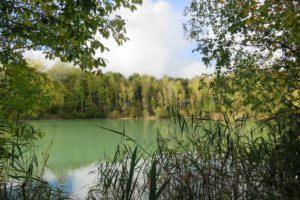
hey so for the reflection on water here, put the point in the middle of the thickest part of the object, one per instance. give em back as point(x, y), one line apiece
point(76, 181)
point(77, 145)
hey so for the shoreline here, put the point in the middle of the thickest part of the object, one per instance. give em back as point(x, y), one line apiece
point(59, 117)
point(212, 115)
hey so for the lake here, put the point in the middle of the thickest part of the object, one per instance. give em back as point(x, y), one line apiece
point(76, 146)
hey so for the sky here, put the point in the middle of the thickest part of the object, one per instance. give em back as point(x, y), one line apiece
point(157, 45)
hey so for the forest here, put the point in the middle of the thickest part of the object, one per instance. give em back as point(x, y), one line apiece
point(209, 153)
point(71, 93)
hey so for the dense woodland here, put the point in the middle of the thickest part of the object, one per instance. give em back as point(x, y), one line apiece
point(254, 47)
point(72, 93)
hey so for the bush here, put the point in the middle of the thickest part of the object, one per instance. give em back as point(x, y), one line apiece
point(134, 112)
point(114, 114)
point(161, 112)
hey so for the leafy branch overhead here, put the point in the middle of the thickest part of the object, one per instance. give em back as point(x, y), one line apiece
point(222, 28)
point(256, 42)
point(61, 29)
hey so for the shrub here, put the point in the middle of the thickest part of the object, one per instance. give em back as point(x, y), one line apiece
point(114, 114)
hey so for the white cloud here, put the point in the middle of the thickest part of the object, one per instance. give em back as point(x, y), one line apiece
point(195, 69)
point(38, 55)
point(49, 175)
point(82, 180)
point(156, 45)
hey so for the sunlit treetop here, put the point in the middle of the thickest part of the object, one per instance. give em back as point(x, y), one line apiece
point(71, 30)
point(265, 28)
point(257, 42)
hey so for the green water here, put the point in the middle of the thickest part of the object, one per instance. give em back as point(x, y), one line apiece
point(78, 145)
point(75, 143)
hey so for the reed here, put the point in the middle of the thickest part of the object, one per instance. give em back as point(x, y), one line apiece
point(206, 159)
point(20, 170)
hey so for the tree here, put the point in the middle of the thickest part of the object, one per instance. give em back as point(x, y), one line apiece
point(194, 91)
point(69, 30)
point(23, 90)
point(146, 85)
point(255, 46)
point(257, 42)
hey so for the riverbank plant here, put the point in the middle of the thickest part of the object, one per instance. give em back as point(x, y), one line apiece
point(206, 159)
point(21, 172)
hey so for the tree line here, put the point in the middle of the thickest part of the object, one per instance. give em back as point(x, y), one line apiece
point(71, 93)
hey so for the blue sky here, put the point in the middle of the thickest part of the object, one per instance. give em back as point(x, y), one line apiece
point(157, 45)
point(178, 4)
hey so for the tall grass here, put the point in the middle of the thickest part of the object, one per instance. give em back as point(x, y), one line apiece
point(20, 170)
point(206, 159)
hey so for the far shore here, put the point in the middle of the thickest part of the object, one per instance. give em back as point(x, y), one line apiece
point(61, 117)
point(212, 115)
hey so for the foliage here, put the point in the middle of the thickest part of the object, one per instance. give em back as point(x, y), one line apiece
point(257, 43)
point(125, 177)
point(19, 166)
point(71, 31)
point(255, 48)
point(82, 94)
point(205, 160)
point(114, 114)
point(23, 90)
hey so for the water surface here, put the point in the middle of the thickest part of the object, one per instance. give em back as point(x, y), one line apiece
point(76, 146)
